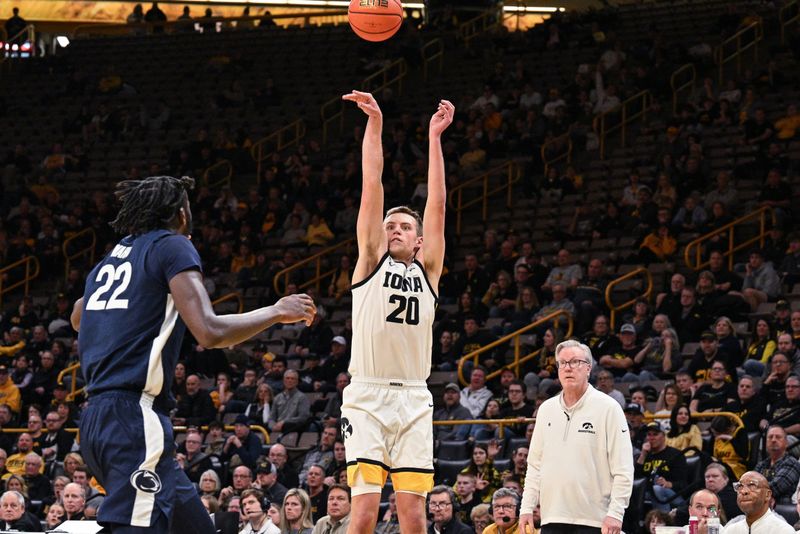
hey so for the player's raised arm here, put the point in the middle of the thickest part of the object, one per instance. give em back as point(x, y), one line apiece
point(212, 330)
point(369, 227)
point(433, 218)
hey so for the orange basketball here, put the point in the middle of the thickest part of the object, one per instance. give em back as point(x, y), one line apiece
point(375, 20)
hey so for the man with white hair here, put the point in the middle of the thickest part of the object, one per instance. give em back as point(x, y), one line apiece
point(74, 499)
point(13, 515)
point(594, 453)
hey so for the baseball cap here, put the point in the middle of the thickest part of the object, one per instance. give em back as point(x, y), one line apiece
point(265, 467)
point(654, 426)
point(708, 334)
point(340, 340)
point(452, 386)
point(241, 419)
point(634, 407)
point(782, 305)
point(627, 328)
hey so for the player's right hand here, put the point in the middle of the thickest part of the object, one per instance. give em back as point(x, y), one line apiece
point(295, 308)
point(366, 103)
point(526, 524)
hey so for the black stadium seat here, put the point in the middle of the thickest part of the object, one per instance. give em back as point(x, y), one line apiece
point(453, 450)
point(447, 470)
point(788, 511)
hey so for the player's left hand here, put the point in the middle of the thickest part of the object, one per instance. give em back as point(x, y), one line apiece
point(442, 118)
point(295, 308)
point(611, 526)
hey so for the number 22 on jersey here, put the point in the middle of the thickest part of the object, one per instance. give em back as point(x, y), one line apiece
point(107, 276)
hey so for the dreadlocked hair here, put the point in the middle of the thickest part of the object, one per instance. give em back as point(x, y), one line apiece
point(150, 204)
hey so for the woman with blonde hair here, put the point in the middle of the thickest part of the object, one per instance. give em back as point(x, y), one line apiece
point(258, 411)
point(759, 351)
point(480, 517)
point(71, 461)
point(296, 513)
point(726, 337)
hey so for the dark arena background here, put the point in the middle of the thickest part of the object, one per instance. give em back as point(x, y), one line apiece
point(622, 173)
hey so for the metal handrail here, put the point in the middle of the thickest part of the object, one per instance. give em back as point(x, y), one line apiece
point(233, 295)
point(432, 51)
point(516, 337)
point(694, 249)
point(700, 415)
point(561, 140)
point(225, 180)
point(476, 26)
point(785, 18)
point(262, 149)
point(456, 195)
point(171, 25)
point(82, 252)
point(757, 30)
point(615, 308)
point(689, 67)
point(602, 130)
point(501, 423)
point(283, 274)
point(72, 371)
point(31, 272)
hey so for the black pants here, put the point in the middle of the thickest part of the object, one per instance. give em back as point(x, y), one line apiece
point(563, 528)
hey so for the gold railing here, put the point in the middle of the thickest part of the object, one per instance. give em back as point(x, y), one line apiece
point(218, 174)
point(31, 271)
point(789, 14)
point(72, 371)
point(743, 40)
point(180, 26)
point(616, 308)
point(519, 359)
point(693, 253)
point(264, 148)
point(676, 89)
point(511, 173)
point(700, 415)
point(432, 51)
point(474, 27)
point(84, 252)
point(234, 295)
point(320, 270)
point(501, 423)
point(563, 140)
point(623, 115)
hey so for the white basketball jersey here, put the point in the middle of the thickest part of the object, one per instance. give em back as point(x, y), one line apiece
point(393, 311)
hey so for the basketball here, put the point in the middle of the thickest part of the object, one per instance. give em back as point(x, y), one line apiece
point(375, 20)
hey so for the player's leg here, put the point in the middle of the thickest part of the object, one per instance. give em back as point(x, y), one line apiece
point(364, 513)
point(412, 458)
point(411, 512)
point(189, 515)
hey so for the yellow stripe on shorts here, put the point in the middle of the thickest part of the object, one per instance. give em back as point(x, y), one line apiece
point(412, 481)
point(370, 473)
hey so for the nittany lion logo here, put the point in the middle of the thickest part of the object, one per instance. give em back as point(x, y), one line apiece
point(347, 428)
point(146, 481)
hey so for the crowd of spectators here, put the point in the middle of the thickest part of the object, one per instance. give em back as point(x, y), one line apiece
point(716, 340)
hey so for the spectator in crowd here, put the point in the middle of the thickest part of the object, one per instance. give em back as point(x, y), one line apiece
point(338, 519)
point(195, 462)
point(389, 524)
point(242, 479)
point(317, 492)
point(296, 513)
point(716, 392)
point(475, 396)
point(467, 497)
point(667, 467)
point(292, 407)
point(473, 339)
point(452, 410)
point(605, 384)
point(333, 408)
point(565, 271)
point(670, 303)
point(761, 282)
point(257, 411)
point(620, 363)
point(74, 498)
point(505, 506)
point(703, 504)
point(706, 356)
point(773, 388)
point(762, 345)
point(243, 443)
point(731, 446)
point(683, 432)
point(257, 519)
point(753, 495)
point(780, 470)
point(13, 514)
point(286, 473)
point(267, 482)
point(55, 516)
point(748, 404)
point(39, 487)
point(210, 484)
point(321, 454)
point(9, 392)
point(717, 481)
point(196, 407)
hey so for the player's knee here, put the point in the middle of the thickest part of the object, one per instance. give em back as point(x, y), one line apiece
point(362, 521)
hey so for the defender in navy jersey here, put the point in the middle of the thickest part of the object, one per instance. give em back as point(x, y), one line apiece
point(131, 320)
point(387, 409)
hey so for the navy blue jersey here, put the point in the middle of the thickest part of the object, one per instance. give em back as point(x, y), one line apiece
point(130, 334)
